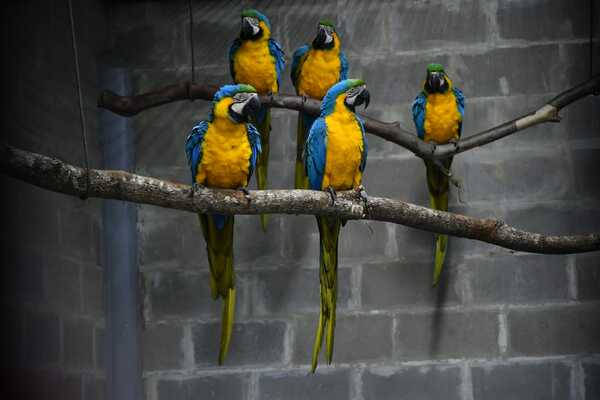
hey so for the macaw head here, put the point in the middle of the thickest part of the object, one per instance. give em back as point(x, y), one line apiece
point(437, 81)
point(349, 92)
point(235, 102)
point(255, 25)
point(326, 36)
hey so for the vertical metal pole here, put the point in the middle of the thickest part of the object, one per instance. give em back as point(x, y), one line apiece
point(122, 350)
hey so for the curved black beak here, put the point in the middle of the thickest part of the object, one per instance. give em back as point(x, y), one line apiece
point(319, 41)
point(435, 81)
point(364, 97)
point(247, 30)
point(252, 106)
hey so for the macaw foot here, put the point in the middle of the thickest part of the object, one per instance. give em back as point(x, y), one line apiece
point(196, 187)
point(246, 193)
point(333, 194)
point(360, 190)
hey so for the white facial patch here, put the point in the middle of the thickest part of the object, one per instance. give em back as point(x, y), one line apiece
point(237, 108)
point(254, 23)
point(328, 38)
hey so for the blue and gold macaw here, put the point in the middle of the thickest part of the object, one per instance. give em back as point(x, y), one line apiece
point(438, 113)
point(258, 60)
point(315, 69)
point(335, 156)
point(222, 152)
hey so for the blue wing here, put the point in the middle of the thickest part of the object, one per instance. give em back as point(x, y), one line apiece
point(232, 50)
point(279, 55)
point(193, 147)
point(418, 112)
point(363, 158)
point(460, 103)
point(297, 61)
point(315, 151)
point(343, 66)
point(254, 139)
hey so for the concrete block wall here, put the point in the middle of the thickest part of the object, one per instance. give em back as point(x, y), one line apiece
point(501, 325)
point(51, 243)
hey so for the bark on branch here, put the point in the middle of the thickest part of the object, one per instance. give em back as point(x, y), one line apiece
point(391, 131)
point(53, 174)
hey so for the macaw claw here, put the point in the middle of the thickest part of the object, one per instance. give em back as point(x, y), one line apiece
point(360, 189)
point(196, 187)
point(246, 193)
point(333, 194)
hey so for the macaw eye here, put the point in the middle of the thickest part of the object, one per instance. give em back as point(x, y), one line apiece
point(239, 97)
point(352, 92)
point(252, 20)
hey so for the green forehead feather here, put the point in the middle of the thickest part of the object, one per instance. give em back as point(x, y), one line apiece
point(249, 12)
point(246, 88)
point(327, 22)
point(356, 82)
point(435, 68)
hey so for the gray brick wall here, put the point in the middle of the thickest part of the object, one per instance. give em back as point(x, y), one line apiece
point(50, 243)
point(502, 324)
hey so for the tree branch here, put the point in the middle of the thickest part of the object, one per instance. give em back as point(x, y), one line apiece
point(53, 174)
point(391, 131)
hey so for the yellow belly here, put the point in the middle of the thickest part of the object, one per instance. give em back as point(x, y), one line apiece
point(344, 150)
point(225, 157)
point(253, 64)
point(442, 118)
point(320, 71)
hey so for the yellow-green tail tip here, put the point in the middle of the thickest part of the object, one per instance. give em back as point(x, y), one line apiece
point(440, 255)
point(227, 324)
point(264, 221)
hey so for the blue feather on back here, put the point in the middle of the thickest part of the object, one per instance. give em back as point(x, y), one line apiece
point(315, 152)
point(363, 159)
point(418, 113)
point(297, 61)
point(343, 66)
point(460, 103)
point(279, 55)
point(193, 147)
point(255, 145)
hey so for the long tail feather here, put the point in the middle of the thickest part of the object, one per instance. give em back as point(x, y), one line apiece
point(218, 234)
point(226, 324)
point(318, 341)
point(329, 229)
point(438, 184)
point(263, 124)
point(305, 121)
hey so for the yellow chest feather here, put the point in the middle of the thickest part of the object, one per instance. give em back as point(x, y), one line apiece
point(320, 71)
point(253, 64)
point(226, 153)
point(344, 149)
point(442, 118)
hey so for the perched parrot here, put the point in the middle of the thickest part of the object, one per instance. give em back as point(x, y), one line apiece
point(438, 113)
point(315, 69)
point(335, 155)
point(222, 152)
point(258, 60)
